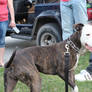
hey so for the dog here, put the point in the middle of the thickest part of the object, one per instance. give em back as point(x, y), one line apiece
point(25, 64)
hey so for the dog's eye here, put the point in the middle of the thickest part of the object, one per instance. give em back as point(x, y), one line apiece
point(87, 34)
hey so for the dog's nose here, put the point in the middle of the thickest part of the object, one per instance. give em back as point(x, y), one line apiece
point(87, 34)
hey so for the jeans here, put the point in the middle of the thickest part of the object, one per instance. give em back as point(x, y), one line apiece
point(72, 12)
point(89, 68)
point(3, 30)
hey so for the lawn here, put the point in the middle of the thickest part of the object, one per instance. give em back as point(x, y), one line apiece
point(54, 83)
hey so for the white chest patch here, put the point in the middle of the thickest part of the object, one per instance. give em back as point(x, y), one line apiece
point(73, 68)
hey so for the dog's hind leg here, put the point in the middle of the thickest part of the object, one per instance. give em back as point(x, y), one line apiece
point(9, 82)
point(31, 77)
point(36, 83)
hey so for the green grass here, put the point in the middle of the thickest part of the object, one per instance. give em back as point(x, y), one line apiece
point(54, 83)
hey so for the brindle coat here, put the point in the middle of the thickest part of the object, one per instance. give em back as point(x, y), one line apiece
point(25, 64)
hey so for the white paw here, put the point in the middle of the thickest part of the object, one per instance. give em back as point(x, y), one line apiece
point(75, 89)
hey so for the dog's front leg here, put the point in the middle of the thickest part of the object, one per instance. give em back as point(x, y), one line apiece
point(71, 80)
point(74, 87)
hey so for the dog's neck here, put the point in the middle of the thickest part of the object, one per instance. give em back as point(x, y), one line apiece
point(74, 41)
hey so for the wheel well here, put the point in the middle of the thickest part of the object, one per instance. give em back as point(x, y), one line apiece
point(43, 21)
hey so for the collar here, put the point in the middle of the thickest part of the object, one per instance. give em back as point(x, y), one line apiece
point(71, 44)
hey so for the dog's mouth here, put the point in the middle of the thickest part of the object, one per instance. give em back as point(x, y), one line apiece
point(88, 47)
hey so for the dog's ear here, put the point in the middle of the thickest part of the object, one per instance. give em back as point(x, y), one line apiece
point(78, 27)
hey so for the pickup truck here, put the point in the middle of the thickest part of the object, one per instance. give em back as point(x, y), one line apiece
point(39, 20)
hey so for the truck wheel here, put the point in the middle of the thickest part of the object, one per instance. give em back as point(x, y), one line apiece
point(48, 34)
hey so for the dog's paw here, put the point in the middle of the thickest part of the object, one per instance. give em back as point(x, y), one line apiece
point(75, 89)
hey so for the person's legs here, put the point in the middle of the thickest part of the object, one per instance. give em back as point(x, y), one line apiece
point(89, 68)
point(1, 56)
point(81, 17)
point(66, 19)
point(80, 11)
point(86, 74)
point(3, 29)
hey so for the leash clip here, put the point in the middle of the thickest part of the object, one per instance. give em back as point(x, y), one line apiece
point(67, 48)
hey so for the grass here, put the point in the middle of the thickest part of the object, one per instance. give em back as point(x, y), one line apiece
point(54, 83)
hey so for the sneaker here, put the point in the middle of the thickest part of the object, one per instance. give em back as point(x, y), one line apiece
point(1, 66)
point(84, 75)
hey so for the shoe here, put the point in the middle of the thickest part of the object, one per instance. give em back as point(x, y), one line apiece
point(84, 75)
point(1, 66)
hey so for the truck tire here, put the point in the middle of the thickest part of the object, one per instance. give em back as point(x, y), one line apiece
point(48, 34)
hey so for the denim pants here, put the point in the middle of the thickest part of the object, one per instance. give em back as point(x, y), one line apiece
point(72, 12)
point(89, 68)
point(3, 30)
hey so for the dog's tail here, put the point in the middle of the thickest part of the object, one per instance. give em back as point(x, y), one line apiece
point(11, 59)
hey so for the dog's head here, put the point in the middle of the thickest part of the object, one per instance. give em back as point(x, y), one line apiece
point(86, 35)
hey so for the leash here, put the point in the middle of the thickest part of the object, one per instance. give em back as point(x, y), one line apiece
point(66, 56)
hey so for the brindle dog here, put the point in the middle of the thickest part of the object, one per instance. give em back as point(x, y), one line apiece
point(25, 64)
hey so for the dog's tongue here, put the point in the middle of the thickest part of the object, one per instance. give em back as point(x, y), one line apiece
point(89, 48)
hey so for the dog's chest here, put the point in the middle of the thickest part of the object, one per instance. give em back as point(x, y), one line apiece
point(76, 62)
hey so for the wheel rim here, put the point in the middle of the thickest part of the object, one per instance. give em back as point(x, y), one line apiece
point(47, 39)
